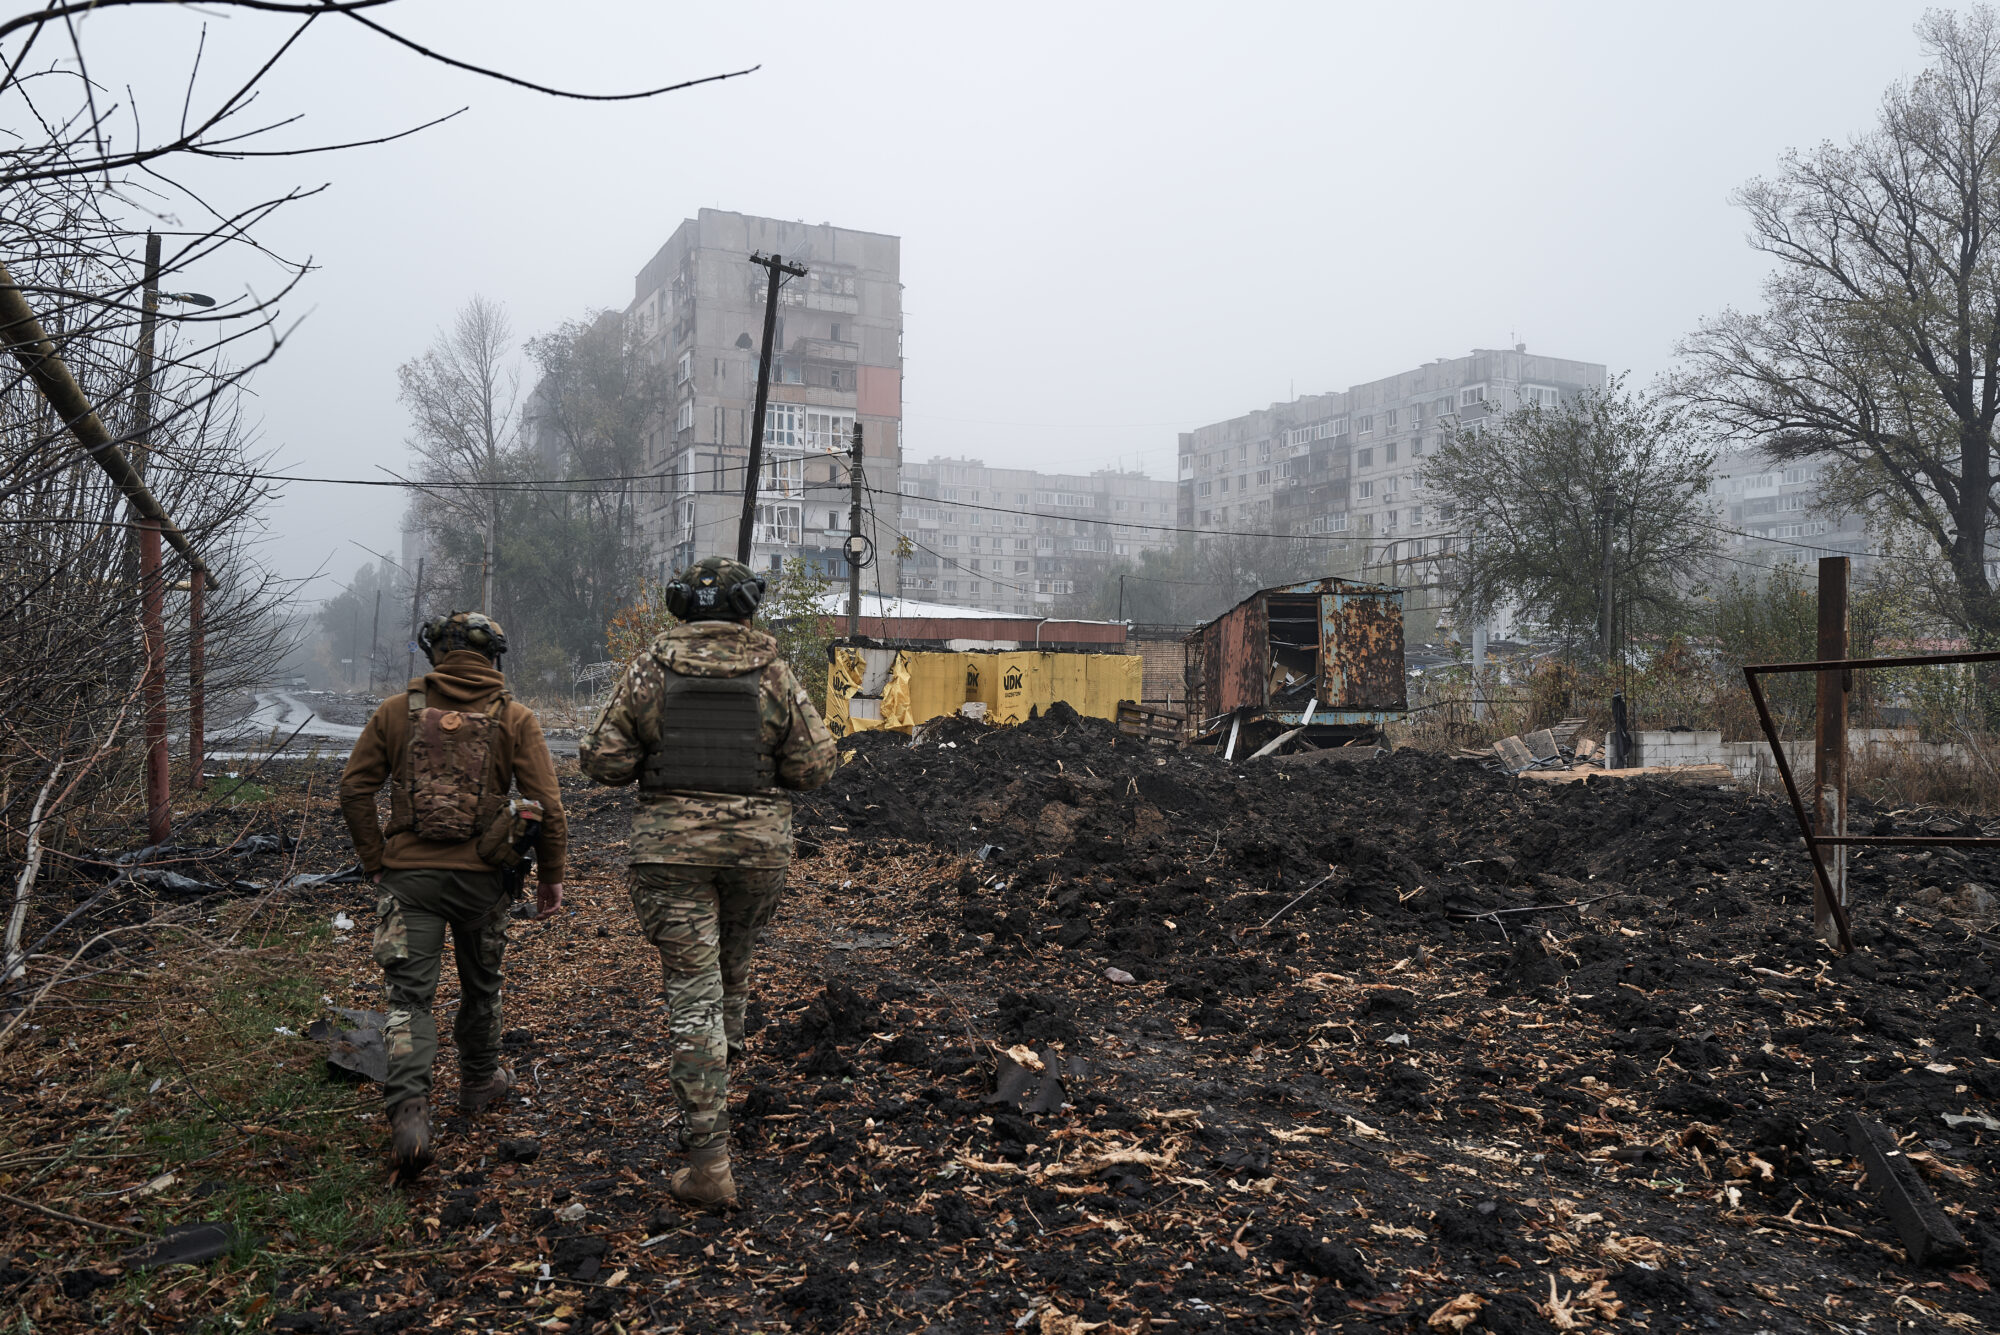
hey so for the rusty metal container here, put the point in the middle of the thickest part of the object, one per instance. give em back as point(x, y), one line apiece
point(1324, 655)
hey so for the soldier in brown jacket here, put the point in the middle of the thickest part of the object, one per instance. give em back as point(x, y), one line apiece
point(450, 748)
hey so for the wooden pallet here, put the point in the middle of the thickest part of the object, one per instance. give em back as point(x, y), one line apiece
point(1137, 720)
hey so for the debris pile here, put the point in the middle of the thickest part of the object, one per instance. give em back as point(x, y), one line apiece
point(1059, 1028)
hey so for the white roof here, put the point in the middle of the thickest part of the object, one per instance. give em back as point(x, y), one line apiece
point(834, 603)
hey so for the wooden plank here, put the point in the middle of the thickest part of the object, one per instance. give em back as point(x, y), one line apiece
point(1541, 744)
point(1276, 742)
point(1927, 1232)
point(1513, 754)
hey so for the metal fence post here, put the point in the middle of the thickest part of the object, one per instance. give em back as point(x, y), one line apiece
point(1830, 742)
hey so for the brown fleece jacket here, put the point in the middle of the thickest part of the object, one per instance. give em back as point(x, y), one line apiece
point(467, 682)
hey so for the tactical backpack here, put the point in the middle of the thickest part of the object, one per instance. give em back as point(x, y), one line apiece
point(447, 756)
point(711, 737)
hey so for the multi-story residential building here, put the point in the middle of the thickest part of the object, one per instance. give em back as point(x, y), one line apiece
point(1769, 511)
point(1349, 464)
point(1017, 541)
point(1351, 461)
point(837, 359)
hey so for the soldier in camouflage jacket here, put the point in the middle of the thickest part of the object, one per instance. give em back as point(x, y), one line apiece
point(709, 703)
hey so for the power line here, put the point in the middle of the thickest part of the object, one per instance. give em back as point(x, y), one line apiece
point(594, 485)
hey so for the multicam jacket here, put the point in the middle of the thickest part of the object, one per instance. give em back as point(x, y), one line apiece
point(710, 829)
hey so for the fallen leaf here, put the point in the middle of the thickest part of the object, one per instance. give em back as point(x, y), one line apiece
point(1457, 1314)
point(1397, 1231)
point(1025, 1056)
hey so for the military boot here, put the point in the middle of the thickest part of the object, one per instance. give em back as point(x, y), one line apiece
point(706, 1179)
point(410, 1137)
point(476, 1094)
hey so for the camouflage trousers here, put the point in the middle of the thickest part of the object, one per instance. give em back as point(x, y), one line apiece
point(415, 909)
point(704, 921)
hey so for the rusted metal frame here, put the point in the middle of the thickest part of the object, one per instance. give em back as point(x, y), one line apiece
point(1822, 883)
point(1813, 839)
point(22, 332)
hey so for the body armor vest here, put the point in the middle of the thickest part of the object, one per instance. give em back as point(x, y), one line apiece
point(711, 737)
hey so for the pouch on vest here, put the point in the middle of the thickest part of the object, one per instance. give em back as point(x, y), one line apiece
point(507, 841)
point(449, 754)
point(711, 737)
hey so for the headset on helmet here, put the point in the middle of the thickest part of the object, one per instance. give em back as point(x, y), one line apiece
point(462, 630)
point(715, 588)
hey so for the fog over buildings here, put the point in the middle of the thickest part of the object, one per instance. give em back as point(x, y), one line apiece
point(1108, 232)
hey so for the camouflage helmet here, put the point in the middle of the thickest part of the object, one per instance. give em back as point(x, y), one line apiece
point(462, 630)
point(716, 588)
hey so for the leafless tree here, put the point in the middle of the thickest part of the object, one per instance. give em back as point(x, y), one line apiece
point(1879, 341)
point(461, 393)
point(83, 179)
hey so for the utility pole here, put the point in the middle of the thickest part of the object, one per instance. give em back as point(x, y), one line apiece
point(416, 614)
point(1604, 515)
point(855, 539)
point(486, 565)
point(778, 269)
point(152, 591)
point(374, 640)
point(1121, 596)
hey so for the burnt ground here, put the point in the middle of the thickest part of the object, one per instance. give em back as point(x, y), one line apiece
point(1423, 1097)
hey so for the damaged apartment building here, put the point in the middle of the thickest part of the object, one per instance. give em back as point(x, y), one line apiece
point(1346, 467)
point(698, 306)
point(1015, 541)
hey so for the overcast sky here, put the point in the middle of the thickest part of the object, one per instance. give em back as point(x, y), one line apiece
point(1118, 222)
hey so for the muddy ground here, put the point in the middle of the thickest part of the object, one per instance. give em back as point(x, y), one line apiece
point(1322, 1048)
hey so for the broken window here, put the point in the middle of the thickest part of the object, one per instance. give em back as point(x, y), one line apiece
point(1294, 639)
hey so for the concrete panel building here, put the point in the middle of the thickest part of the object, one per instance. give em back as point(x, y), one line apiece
point(1017, 541)
point(1348, 461)
point(838, 359)
point(1770, 511)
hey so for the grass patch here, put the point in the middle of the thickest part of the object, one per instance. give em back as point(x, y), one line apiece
point(245, 1120)
point(236, 792)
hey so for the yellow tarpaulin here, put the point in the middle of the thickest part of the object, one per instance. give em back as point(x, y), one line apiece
point(922, 685)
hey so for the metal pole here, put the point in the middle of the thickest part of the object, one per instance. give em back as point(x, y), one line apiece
point(854, 536)
point(1830, 744)
point(1604, 513)
point(152, 598)
point(142, 408)
point(197, 680)
point(1121, 597)
point(416, 613)
point(1479, 668)
point(152, 591)
point(778, 269)
point(374, 641)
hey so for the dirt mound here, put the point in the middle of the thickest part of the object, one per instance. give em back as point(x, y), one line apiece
point(1221, 880)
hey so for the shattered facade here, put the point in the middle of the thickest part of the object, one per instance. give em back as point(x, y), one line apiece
point(837, 357)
